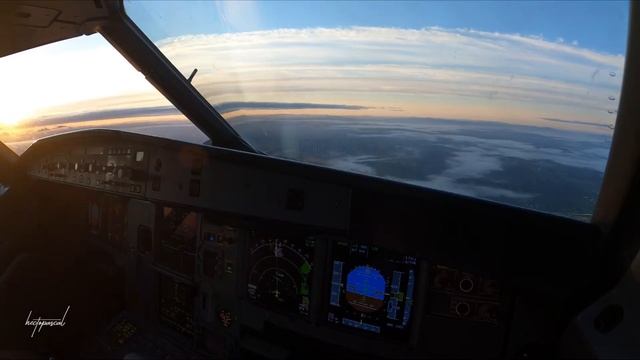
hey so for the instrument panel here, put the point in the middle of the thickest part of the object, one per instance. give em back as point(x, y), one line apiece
point(120, 168)
point(190, 176)
point(229, 254)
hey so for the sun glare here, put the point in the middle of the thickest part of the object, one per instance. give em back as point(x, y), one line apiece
point(76, 70)
point(11, 116)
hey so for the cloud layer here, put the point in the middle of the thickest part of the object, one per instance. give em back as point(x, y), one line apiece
point(445, 73)
point(541, 168)
point(432, 72)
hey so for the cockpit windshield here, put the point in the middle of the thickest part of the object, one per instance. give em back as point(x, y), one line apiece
point(511, 102)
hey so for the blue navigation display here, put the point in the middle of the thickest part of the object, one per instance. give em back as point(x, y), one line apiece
point(371, 290)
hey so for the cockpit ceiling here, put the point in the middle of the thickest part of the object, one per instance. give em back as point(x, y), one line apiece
point(28, 24)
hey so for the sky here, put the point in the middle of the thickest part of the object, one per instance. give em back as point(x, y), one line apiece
point(550, 64)
point(592, 24)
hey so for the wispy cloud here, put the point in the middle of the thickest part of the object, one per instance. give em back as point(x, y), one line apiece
point(470, 164)
point(424, 72)
point(149, 111)
point(106, 115)
point(245, 105)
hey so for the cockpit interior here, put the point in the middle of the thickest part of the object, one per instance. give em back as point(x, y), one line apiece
point(121, 245)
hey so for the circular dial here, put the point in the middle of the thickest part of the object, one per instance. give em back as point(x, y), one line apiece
point(279, 274)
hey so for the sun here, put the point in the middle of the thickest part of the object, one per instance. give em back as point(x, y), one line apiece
point(12, 115)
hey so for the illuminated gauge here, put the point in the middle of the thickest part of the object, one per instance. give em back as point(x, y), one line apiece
point(280, 274)
point(371, 289)
point(365, 289)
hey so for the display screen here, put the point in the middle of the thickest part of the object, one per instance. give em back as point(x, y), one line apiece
point(280, 273)
point(371, 289)
point(178, 229)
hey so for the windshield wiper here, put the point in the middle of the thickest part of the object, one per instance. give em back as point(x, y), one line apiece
point(193, 73)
